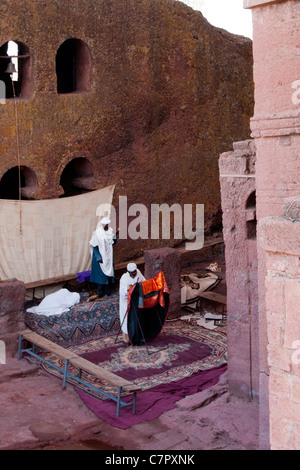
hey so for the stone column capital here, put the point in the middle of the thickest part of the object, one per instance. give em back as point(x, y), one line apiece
point(274, 125)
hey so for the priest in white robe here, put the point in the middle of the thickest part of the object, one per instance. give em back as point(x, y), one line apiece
point(101, 247)
point(128, 279)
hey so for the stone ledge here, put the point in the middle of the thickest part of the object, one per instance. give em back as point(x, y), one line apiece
point(14, 369)
point(240, 161)
point(280, 235)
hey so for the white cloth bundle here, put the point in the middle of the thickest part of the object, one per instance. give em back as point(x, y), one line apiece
point(57, 303)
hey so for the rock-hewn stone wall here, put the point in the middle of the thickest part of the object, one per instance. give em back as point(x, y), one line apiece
point(237, 179)
point(168, 93)
point(282, 310)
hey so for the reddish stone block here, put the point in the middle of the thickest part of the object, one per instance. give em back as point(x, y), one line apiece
point(279, 428)
point(275, 328)
point(291, 208)
point(279, 383)
point(277, 262)
point(296, 436)
point(292, 302)
point(287, 408)
point(294, 265)
point(275, 294)
point(278, 357)
point(12, 298)
point(281, 235)
point(295, 387)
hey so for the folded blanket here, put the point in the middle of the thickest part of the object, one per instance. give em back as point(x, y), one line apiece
point(192, 284)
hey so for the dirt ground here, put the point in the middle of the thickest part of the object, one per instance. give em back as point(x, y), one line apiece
point(35, 413)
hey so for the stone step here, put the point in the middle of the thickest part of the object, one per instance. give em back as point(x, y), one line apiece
point(15, 369)
point(166, 440)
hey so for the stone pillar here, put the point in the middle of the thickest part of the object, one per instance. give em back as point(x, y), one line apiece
point(237, 180)
point(12, 299)
point(168, 261)
point(275, 128)
point(280, 238)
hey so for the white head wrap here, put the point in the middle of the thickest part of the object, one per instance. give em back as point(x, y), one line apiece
point(131, 267)
point(105, 221)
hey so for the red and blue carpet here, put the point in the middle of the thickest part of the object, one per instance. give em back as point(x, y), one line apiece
point(182, 360)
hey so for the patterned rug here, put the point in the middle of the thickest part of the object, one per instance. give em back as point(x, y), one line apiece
point(182, 360)
point(86, 320)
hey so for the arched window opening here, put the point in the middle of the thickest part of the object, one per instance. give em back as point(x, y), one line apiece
point(251, 201)
point(73, 67)
point(251, 221)
point(78, 177)
point(18, 83)
point(9, 184)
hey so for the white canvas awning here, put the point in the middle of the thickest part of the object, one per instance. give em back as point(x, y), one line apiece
point(49, 238)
